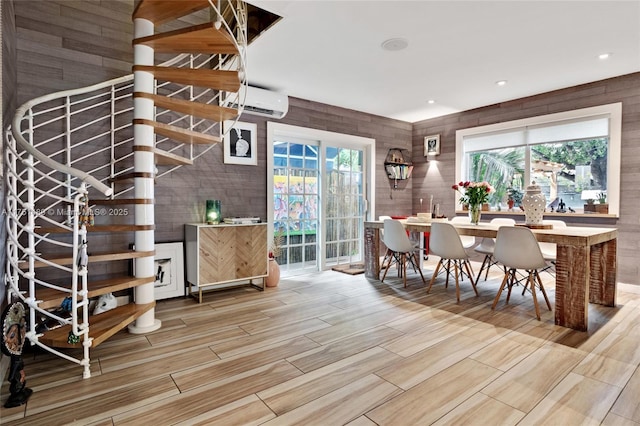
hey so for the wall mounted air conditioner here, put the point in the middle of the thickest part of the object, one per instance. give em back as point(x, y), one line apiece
point(262, 102)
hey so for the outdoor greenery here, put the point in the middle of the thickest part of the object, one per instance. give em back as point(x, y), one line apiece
point(503, 168)
point(591, 152)
point(498, 168)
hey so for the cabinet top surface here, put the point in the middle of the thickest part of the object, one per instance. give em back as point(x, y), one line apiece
point(221, 225)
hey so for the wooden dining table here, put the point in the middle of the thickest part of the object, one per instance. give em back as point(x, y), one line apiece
point(586, 264)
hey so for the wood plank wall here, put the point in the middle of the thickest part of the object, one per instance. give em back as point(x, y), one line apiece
point(66, 44)
point(437, 177)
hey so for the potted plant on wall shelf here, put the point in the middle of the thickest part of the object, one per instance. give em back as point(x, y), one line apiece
point(273, 269)
point(602, 207)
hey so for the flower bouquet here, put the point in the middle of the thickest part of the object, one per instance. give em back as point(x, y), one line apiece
point(474, 194)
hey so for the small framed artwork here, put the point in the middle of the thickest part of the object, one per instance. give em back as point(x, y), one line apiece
point(432, 145)
point(240, 143)
point(168, 266)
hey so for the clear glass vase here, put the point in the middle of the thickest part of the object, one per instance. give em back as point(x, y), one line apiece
point(475, 212)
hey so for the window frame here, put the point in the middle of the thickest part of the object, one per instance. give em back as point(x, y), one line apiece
point(612, 111)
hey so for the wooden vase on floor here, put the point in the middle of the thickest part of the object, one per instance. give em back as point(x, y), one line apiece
point(273, 278)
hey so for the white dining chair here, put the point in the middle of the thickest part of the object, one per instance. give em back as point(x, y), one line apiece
point(517, 248)
point(401, 250)
point(445, 242)
point(487, 245)
point(549, 250)
point(468, 241)
point(382, 219)
point(388, 252)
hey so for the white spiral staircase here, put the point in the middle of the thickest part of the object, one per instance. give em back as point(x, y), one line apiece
point(102, 147)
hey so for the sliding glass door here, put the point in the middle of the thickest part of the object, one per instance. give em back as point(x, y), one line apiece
point(318, 193)
point(295, 204)
point(344, 213)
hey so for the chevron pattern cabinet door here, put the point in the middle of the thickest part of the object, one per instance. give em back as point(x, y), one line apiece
point(233, 252)
point(251, 249)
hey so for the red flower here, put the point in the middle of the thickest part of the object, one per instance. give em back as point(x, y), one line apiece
point(473, 193)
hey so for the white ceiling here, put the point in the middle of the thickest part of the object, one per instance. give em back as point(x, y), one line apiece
point(330, 51)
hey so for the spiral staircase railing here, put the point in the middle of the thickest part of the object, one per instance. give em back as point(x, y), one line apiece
point(66, 148)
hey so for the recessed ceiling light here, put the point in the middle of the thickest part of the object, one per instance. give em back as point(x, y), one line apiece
point(431, 101)
point(604, 56)
point(501, 82)
point(395, 44)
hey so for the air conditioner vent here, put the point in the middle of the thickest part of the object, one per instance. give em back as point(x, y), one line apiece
point(262, 102)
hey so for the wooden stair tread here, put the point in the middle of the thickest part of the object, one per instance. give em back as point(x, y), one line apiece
point(201, 77)
point(165, 158)
point(97, 228)
point(51, 298)
point(203, 38)
point(161, 11)
point(105, 256)
point(121, 201)
point(211, 112)
point(179, 134)
point(101, 327)
point(131, 176)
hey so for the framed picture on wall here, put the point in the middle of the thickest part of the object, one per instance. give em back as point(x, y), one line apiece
point(432, 145)
point(240, 143)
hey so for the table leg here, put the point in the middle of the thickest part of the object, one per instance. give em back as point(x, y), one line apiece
point(603, 273)
point(371, 249)
point(572, 287)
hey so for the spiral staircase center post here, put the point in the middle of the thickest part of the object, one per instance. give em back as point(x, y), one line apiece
point(144, 166)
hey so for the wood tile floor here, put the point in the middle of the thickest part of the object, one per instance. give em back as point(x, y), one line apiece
point(334, 349)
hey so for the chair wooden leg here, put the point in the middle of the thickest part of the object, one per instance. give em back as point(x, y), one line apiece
point(472, 274)
point(417, 265)
point(384, 259)
point(467, 265)
point(512, 273)
point(486, 273)
point(533, 292)
point(455, 268)
point(448, 268)
point(504, 281)
point(484, 262)
point(404, 269)
point(435, 274)
point(387, 268)
point(412, 260)
point(544, 293)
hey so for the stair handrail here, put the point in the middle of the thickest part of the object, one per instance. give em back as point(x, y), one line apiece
point(16, 129)
point(22, 110)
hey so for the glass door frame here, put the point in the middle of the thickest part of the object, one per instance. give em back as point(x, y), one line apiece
point(324, 139)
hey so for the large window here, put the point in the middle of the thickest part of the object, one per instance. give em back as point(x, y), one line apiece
point(574, 156)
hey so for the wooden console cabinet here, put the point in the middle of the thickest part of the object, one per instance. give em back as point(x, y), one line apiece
point(220, 256)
